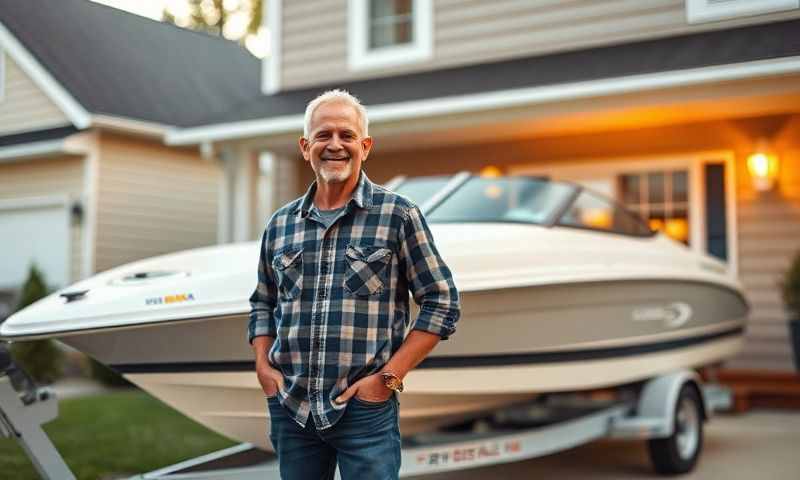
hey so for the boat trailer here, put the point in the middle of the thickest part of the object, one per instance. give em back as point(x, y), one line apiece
point(668, 411)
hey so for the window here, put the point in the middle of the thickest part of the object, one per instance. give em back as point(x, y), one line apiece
point(661, 198)
point(390, 23)
point(389, 32)
point(701, 11)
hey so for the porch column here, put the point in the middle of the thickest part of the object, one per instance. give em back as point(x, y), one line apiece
point(287, 170)
point(243, 194)
point(236, 194)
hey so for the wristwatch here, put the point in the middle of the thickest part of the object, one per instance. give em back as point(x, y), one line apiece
point(392, 381)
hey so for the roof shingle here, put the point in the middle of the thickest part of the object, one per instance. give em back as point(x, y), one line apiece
point(121, 64)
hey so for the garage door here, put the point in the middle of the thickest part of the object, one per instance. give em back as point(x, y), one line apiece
point(34, 231)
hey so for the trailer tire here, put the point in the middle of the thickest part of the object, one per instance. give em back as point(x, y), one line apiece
point(679, 452)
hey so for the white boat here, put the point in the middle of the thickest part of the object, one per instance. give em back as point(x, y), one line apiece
point(561, 291)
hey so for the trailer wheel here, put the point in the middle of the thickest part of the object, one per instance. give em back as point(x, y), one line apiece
point(679, 452)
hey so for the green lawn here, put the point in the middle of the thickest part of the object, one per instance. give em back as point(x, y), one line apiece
point(115, 434)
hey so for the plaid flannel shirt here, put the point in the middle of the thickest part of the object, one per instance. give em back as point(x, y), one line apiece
point(336, 299)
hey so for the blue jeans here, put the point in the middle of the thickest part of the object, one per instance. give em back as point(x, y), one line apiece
point(365, 442)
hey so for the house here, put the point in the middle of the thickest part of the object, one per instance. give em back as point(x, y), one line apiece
point(659, 104)
point(87, 93)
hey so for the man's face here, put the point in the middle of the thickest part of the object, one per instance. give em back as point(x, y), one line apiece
point(335, 146)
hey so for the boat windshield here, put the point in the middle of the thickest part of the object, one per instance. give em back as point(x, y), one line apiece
point(510, 199)
point(422, 189)
point(519, 200)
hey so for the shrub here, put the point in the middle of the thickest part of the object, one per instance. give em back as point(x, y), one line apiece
point(40, 358)
point(791, 288)
point(105, 375)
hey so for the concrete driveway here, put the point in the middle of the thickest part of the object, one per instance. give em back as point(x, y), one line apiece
point(761, 444)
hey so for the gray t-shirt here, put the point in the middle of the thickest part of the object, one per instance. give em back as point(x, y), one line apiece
point(326, 217)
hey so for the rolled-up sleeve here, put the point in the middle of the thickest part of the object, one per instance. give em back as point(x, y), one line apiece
point(429, 279)
point(264, 298)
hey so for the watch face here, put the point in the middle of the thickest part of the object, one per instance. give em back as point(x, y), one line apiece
point(393, 383)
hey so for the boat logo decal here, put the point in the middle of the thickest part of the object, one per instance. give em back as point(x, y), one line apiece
point(674, 315)
point(181, 297)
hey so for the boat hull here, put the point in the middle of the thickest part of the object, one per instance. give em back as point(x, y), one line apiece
point(510, 346)
point(233, 404)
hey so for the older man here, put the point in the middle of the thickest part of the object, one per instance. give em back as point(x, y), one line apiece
point(331, 306)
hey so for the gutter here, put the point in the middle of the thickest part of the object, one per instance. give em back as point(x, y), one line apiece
point(500, 99)
point(47, 148)
point(129, 126)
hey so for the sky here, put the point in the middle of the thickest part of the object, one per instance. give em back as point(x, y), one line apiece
point(145, 8)
point(256, 44)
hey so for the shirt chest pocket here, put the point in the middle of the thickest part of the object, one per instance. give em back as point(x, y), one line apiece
point(367, 269)
point(288, 267)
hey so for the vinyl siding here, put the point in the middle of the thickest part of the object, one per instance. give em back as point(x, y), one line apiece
point(314, 35)
point(23, 106)
point(769, 237)
point(768, 224)
point(48, 177)
point(151, 200)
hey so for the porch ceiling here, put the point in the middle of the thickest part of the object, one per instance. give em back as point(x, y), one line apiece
point(708, 102)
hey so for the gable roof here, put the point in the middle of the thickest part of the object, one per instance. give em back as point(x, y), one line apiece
point(120, 64)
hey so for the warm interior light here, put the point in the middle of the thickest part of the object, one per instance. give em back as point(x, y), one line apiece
point(490, 171)
point(763, 167)
point(596, 218)
point(678, 229)
point(656, 224)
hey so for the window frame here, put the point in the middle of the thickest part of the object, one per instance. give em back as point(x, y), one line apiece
point(668, 203)
point(701, 11)
point(361, 57)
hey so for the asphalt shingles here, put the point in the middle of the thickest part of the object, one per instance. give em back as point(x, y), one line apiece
point(121, 64)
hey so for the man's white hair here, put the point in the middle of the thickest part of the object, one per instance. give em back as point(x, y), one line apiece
point(336, 95)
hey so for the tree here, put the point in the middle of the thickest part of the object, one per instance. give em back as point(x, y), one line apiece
point(218, 17)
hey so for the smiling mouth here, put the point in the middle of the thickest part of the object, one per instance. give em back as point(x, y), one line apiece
point(343, 159)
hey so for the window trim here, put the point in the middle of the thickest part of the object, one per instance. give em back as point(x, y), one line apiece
point(701, 11)
point(693, 162)
point(360, 57)
point(271, 66)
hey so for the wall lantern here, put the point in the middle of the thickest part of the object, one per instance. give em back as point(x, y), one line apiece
point(763, 166)
point(76, 213)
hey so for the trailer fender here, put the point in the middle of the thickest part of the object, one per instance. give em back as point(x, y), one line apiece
point(658, 399)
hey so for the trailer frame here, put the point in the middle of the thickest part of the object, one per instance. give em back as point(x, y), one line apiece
point(555, 422)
